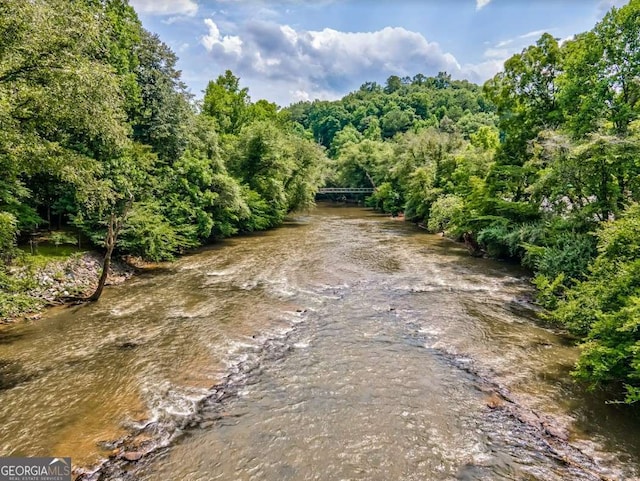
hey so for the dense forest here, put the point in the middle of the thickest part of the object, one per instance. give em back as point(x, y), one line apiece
point(541, 165)
point(98, 132)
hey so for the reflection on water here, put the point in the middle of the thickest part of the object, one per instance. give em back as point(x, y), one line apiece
point(344, 345)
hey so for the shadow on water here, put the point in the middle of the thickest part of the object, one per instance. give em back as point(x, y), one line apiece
point(9, 335)
point(12, 374)
point(597, 415)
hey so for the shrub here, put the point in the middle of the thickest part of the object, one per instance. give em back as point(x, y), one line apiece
point(8, 233)
point(444, 212)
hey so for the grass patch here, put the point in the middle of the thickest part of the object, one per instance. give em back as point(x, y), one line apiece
point(16, 304)
point(44, 254)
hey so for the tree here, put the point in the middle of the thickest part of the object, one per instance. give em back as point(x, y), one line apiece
point(394, 83)
point(226, 102)
point(395, 121)
point(595, 178)
point(326, 119)
point(348, 135)
point(619, 35)
point(164, 115)
point(605, 309)
point(444, 212)
point(53, 89)
point(525, 94)
point(363, 164)
point(107, 194)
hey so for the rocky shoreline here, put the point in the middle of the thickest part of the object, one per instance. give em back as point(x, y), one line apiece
point(76, 276)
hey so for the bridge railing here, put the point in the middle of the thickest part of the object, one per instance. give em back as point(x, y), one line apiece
point(345, 190)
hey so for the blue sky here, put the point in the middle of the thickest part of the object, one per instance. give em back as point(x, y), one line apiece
point(290, 50)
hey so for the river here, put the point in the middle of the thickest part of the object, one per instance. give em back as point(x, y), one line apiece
point(344, 345)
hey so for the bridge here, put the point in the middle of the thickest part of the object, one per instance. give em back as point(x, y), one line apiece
point(345, 190)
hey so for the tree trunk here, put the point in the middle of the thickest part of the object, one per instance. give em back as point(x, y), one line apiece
point(113, 228)
point(370, 179)
point(110, 242)
point(106, 264)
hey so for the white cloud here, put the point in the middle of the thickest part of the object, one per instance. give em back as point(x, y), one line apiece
point(176, 19)
point(214, 41)
point(166, 7)
point(536, 33)
point(499, 53)
point(483, 71)
point(300, 95)
point(505, 49)
point(284, 64)
point(482, 3)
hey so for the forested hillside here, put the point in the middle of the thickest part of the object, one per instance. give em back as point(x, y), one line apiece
point(541, 166)
point(98, 133)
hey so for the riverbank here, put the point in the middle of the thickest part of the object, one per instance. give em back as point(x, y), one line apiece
point(341, 327)
point(49, 281)
point(52, 283)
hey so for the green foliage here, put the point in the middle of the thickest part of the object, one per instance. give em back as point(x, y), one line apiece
point(386, 199)
point(14, 298)
point(148, 234)
point(8, 233)
point(444, 213)
point(310, 171)
point(15, 304)
point(496, 239)
point(395, 121)
point(98, 101)
point(549, 291)
point(403, 105)
point(60, 102)
point(485, 137)
point(567, 255)
point(162, 121)
point(280, 167)
point(420, 194)
point(605, 308)
point(43, 254)
point(260, 218)
point(226, 103)
point(59, 238)
point(601, 67)
point(363, 164)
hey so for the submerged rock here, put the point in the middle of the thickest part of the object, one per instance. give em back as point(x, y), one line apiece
point(132, 455)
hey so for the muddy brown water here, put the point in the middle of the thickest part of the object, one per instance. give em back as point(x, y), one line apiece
point(342, 346)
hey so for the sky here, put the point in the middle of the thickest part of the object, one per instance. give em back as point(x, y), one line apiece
point(291, 50)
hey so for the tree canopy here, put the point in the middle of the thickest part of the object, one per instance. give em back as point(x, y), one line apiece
point(98, 131)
